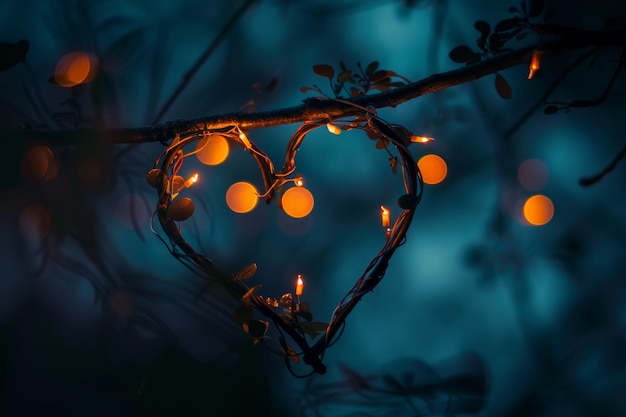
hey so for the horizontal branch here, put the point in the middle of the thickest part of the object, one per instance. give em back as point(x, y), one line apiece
point(319, 109)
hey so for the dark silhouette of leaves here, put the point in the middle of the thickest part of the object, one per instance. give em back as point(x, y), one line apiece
point(508, 24)
point(246, 272)
point(324, 70)
point(12, 54)
point(461, 54)
point(503, 88)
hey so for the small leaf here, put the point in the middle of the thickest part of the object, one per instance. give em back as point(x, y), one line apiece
point(313, 329)
point(371, 68)
point(256, 328)
point(407, 201)
point(243, 314)
point(508, 24)
point(461, 53)
point(551, 109)
point(153, 176)
point(382, 143)
point(305, 89)
point(393, 161)
point(535, 7)
point(180, 210)
point(246, 272)
point(483, 27)
point(246, 297)
point(355, 92)
point(344, 76)
point(324, 70)
point(503, 88)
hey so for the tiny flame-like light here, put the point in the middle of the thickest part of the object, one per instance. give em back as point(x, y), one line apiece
point(298, 181)
point(384, 215)
point(336, 130)
point(245, 140)
point(299, 285)
point(191, 180)
point(535, 64)
point(421, 139)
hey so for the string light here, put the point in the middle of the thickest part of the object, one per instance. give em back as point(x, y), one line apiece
point(299, 285)
point(334, 129)
point(384, 215)
point(191, 180)
point(535, 63)
point(421, 139)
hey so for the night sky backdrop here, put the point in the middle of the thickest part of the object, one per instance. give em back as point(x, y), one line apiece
point(98, 319)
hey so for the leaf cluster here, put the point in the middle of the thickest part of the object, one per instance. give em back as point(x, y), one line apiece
point(357, 83)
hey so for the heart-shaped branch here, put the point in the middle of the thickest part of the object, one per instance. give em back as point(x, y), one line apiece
point(285, 315)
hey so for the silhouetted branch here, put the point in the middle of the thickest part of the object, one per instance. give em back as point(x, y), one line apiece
point(592, 179)
point(320, 109)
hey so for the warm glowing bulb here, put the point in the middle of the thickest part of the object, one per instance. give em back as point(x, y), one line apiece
point(245, 140)
point(298, 181)
point(433, 168)
point(297, 202)
point(333, 128)
point(242, 197)
point(384, 215)
point(191, 180)
point(421, 139)
point(212, 150)
point(538, 210)
point(535, 64)
point(299, 285)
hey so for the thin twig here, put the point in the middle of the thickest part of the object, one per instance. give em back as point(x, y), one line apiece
point(545, 96)
point(592, 179)
point(202, 59)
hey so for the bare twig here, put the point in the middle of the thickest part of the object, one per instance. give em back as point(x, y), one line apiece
point(202, 59)
point(592, 179)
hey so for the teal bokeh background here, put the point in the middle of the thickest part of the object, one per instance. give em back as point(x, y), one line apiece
point(542, 306)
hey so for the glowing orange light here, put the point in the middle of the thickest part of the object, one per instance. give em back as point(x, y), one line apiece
point(299, 285)
point(433, 168)
point(297, 202)
point(298, 181)
point(421, 139)
point(73, 69)
point(242, 197)
point(39, 164)
point(191, 180)
point(333, 129)
point(535, 64)
point(245, 140)
point(384, 215)
point(538, 210)
point(212, 150)
point(533, 174)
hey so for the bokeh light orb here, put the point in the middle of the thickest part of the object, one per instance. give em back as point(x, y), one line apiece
point(538, 210)
point(297, 202)
point(533, 174)
point(433, 168)
point(212, 150)
point(242, 197)
point(74, 68)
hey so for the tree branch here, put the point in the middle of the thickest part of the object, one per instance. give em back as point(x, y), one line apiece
point(320, 109)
